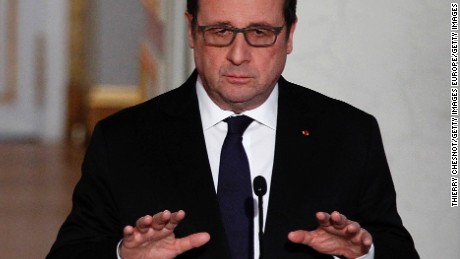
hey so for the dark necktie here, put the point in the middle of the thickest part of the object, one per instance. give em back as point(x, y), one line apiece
point(234, 190)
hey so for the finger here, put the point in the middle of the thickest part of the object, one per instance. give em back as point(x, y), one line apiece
point(160, 219)
point(131, 238)
point(366, 238)
point(128, 232)
point(353, 228)
point(192, 241)
point(143, 224)
point(176, 218)
point(323, 219)
point(300, 237)
point(338, 220)
point(367, 241)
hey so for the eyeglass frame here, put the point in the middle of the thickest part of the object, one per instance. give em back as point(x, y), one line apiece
point(235, 31)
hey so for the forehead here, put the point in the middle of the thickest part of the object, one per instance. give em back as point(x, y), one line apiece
point(241, 12)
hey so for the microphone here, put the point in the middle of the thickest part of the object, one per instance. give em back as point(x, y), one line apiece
point(260, 189)
point(260, 186)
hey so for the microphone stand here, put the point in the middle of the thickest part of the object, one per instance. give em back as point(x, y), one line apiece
point(260, 188)
point(261, 226)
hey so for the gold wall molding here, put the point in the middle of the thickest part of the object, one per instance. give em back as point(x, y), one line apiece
point(78, 66)
point(8, 94)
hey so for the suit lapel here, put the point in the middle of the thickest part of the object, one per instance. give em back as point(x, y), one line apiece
point(192, 173)
point(293, 176)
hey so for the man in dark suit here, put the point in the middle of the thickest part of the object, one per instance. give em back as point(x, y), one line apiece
point(322, 158)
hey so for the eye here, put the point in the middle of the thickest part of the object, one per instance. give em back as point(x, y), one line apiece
point(260, 32)
point(220, 31)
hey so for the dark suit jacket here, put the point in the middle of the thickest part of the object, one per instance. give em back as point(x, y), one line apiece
point(152, 157)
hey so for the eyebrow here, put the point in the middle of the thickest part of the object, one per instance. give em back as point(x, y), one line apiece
point(229, 24)
point(262, 24)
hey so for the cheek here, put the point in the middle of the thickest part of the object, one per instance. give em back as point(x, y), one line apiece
point(208, 66)
point(209, 63)
point(206, 57)
point(272, 64)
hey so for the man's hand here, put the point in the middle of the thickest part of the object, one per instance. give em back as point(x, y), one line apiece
point(336, 235)
point(153, 237)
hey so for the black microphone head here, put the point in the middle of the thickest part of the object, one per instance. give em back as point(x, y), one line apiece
point(260, 186)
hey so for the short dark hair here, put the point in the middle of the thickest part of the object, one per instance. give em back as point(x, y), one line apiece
point(289, 11)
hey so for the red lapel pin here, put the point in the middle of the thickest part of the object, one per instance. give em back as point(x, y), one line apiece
point(305, 132)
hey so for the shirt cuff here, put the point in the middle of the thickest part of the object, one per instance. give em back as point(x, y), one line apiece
point(118, 249)
point(369, 255)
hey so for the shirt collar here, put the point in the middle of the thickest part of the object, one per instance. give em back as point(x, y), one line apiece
point(211, 114)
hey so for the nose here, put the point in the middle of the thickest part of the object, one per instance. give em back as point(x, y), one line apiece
point(239, 51)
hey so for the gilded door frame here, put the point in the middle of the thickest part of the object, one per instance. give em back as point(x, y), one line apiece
point(8, 94)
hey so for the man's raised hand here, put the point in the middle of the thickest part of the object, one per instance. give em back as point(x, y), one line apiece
point(336, 235)
point(153, 237)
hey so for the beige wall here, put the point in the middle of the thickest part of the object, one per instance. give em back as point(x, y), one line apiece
point(391, 59)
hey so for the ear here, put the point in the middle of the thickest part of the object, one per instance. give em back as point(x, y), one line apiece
point(290, 41)
point(189, 18)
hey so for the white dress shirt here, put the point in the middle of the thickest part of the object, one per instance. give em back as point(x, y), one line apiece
point(258, 142)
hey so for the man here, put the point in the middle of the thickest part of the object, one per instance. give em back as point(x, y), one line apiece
point(323, 159)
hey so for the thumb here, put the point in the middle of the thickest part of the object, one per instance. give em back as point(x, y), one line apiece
point(192, 241)
point(300, 237)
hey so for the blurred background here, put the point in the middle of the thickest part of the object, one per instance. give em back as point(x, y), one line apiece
point(65, 64)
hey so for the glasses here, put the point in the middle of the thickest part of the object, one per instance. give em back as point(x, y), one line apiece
point(255, 36)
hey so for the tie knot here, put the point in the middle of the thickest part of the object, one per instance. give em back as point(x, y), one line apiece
point(238, 124)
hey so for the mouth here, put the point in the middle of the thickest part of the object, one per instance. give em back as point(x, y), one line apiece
point(238, 79)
